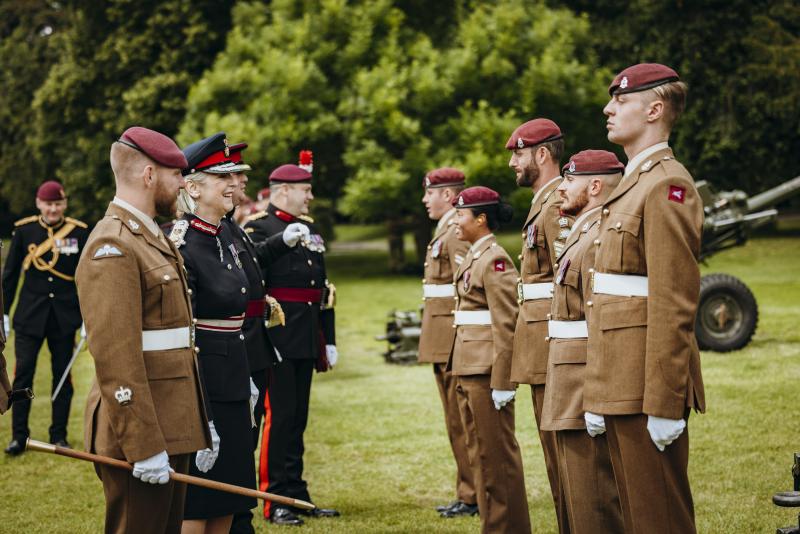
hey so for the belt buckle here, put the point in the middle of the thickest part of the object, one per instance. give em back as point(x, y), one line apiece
point(591, 280)
point(520, 293)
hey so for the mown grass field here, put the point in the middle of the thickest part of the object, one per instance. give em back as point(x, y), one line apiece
point(376, 447)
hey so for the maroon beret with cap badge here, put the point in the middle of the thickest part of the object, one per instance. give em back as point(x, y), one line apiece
point(289, 173)
point(476, 196)
point(443, 177)
point(534, 132)
point(154, 145)
point(593, 162)
point(50, 191)
point(642, 77)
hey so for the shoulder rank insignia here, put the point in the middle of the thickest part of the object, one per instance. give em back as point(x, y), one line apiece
point(306, 218)
point(459, 259)
point(123, 395)
point(563, 233)
point(558, 247)
point(563, 222)
point(106, 251)
point(647, 164)
point(26, 220)
point(179, 232)
point(258, 215)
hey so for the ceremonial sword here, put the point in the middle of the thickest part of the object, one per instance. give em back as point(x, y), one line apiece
point(78, 349)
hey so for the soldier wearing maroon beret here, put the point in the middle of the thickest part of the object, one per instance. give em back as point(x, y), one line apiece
point(146, 404)
point(445, 253)
point(45, 248)
point(536, 148)
point(643, 366)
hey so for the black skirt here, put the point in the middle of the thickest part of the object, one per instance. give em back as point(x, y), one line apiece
point(235, 465)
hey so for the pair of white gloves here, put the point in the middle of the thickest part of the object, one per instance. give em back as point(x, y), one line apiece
point(662, 431)
point(156, 469)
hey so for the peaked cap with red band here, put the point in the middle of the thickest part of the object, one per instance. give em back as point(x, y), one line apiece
point(476, 196)
point(154, 145)
point(642, 77)
point(443, 177)
point(50, 191)
point(291, 174)
point(593, 162)
point(236, 156)
point(534, 132)
point(213, 155)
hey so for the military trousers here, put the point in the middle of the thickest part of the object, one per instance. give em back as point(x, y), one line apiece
point(654, 490)
point(465, 477)
point(285, 420)
point(550, 451)
point(495, 453)
point(27, 350)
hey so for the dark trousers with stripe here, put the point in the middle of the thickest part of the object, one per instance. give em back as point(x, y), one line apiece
point(285, 420)
point(27, 352)
point(243, 523)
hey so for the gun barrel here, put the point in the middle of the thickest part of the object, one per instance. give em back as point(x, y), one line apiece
point(770, 197)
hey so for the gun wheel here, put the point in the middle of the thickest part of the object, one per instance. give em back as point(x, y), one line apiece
point(727, 314)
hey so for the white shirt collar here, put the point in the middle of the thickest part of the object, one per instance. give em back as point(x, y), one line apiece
point(479, 242)
point(446, 217)
point(639, 158)
point(539, 192)
point(577, 226)
point(148, 221)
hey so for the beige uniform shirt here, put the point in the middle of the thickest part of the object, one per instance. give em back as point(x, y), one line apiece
point(445, 253)
point(643, 355)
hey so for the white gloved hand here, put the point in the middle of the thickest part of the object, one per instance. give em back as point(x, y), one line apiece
point(501, 397)
point(664, 431)
point(595, 424)
point(332, 354)
point(294, 233)
point(83, 330)
point(205, 459)
point(154, 470)
point(7, 324)
point(254, 394)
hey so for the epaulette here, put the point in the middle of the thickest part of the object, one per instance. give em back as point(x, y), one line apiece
point(76, 222)
point(306, 218)
point(256, 216)
point(179, 232)
point(27, 220)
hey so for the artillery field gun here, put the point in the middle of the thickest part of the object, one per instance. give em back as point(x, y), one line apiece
point(727, 314)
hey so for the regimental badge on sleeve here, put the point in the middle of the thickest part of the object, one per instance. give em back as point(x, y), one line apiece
point(500, 266)
point(677, 194)
point(106, 251)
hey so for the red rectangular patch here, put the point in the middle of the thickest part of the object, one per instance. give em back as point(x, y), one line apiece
point(500, 266)
point(677, 194)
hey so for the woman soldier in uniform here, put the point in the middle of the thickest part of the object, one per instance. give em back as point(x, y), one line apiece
point(218, 291)
point(485, 315)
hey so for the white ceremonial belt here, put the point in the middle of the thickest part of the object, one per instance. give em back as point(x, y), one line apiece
point(430, 291)
point(220, 325)
point(567, 329)
point(623, 285)
point(472, 317)
point(167, 339)
point(543, 290)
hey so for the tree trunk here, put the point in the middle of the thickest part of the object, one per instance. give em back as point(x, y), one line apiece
point(422, 235)
point(397, 250)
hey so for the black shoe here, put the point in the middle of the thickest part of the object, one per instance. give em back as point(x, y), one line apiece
point(63, 443)
point(460, 509)
point(283, 516)
point(318, 512)
point(15, 447)
point(445, 507)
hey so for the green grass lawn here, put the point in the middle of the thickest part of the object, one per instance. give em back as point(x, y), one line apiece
point(376, 446)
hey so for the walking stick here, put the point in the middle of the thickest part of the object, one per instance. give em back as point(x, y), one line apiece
point(39, 446)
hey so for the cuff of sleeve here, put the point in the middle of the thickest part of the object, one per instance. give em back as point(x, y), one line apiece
point(664, 404)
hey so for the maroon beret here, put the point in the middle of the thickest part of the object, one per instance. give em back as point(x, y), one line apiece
point(476, 196)
point(534, 132)
point(154, 145)
point(51, 190)
point(641, 77)
point(593, 162)
point(290, 174)
point(443, 177)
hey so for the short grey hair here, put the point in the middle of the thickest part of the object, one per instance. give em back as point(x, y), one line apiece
point(186, 203)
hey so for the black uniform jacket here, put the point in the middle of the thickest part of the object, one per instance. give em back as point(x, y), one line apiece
point(304, 268)
point(48, 255)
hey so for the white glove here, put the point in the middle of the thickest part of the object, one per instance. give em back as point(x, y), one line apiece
point(154, 470)
point(332, 354)
point(205, 459)
point(254, 394)
point(83, 330)
point(294, 233)
point(6, 325)
point(664, 431)
point(595, 424)
point(501, 397)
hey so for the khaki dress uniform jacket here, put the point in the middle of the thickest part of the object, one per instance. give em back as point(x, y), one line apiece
point(584, 465)
point(643, 357)
point(445, 253)
point(481, 361)
point(142, 401)
point(543, 237)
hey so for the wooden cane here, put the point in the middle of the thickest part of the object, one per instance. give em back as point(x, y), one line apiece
point(40, 446)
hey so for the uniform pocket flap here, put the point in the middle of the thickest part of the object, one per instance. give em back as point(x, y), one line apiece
point(571, 278)
point(440, 306)
point(624, 222)
point(536, 310)
point(476, 333)
point(165, 364)
point(213, 346)
point(163, 274)
point(568, 351)
point(624, 313)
